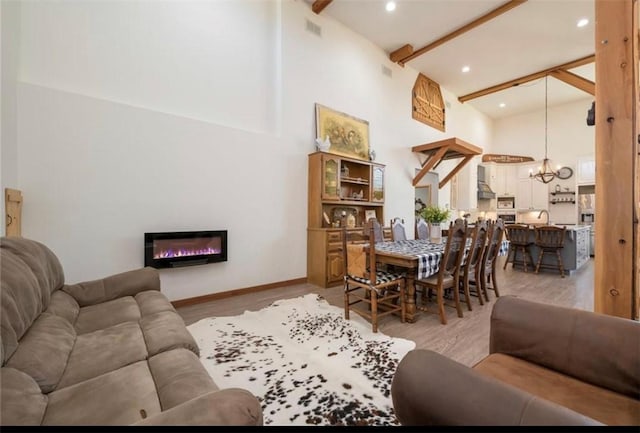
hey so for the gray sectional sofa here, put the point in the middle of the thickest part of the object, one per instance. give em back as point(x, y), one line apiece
point(107, 352)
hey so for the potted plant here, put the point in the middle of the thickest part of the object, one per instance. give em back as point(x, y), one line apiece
point(435, 216)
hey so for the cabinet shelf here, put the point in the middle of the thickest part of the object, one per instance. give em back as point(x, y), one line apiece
point(562, 192)
point(355, 180)
point(559, 201)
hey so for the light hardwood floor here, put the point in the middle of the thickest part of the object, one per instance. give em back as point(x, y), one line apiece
point(465, 340)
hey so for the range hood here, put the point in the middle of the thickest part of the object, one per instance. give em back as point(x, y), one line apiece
point(484, 190)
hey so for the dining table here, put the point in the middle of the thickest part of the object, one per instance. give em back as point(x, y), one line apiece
point(421, 259)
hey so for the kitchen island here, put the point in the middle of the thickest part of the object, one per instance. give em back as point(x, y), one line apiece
point(574, 254)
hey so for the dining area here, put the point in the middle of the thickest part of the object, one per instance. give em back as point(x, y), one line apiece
point(409, 277)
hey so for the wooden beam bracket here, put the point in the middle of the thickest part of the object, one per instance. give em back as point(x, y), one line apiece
point(436, 152)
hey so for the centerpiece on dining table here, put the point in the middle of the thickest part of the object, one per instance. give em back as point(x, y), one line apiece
point(435, 216)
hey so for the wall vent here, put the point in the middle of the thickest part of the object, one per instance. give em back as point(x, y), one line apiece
point(314, 28)
point(386, 71)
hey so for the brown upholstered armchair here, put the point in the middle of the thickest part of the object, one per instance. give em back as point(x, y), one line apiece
point(547, 365)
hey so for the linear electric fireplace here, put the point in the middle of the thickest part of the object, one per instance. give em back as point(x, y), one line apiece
point(177, 249)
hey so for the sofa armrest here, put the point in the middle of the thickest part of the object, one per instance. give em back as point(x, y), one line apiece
point(116, 286)
point(430, 389)
point(595, 348)
point(231, 406)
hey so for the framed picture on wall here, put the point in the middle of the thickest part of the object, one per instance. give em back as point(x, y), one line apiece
point(349, 136)
point(368, 214)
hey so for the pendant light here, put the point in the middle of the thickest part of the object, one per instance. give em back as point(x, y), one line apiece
point(545, 173)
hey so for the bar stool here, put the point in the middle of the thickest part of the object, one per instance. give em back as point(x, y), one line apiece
point(519, 241)
point(550, 239)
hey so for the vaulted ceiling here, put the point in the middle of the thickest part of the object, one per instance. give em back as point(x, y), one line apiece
point(509, 43)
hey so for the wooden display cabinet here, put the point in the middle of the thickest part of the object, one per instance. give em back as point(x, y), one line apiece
point(339, 187)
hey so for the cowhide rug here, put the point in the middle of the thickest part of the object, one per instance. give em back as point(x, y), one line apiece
point(304, 362)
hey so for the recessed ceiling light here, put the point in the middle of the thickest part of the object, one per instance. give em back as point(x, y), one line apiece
point(390, 6)
point(583, 22)
point(466, 69)
point(502, 105)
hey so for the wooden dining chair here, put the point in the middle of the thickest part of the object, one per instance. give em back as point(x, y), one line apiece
point(472, 262)
point(398, 232)
point(422, 229)
point(377, 229)
point(382, 292)
point(448, 273)
point(487, 278)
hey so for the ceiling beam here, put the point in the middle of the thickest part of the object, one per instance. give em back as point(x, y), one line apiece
point(475, 23)
point(575, 80)
point(527, 78)
point(319, 5)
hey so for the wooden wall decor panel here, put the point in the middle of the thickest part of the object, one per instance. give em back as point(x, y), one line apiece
point(427, 105)
point(13, 207)
point(617, 208)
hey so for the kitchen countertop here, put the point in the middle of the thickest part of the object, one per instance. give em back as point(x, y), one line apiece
point(574, 227)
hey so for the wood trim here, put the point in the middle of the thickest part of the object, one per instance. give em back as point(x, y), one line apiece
point(400, 53)
point(498, 87)
point(617, 159)
point(319, 5)
point(575, 80)
point(235, 292)
point(465, 28)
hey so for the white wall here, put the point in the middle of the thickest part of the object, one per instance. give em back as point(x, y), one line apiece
point(9, 41)
point(137, 118)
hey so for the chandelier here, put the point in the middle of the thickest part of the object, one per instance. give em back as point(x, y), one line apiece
point(545, 173)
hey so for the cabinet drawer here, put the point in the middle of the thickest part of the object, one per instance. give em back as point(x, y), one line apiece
point(334, 246)
point(334, 237)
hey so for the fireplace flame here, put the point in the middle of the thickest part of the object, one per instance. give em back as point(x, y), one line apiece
point(167, 254)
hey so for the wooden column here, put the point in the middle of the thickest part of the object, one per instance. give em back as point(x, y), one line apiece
point(617, 252)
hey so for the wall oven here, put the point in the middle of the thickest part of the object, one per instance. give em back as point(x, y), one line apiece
point(507, 217)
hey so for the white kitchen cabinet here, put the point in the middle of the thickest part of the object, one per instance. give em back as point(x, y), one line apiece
point(504, 180)
point(586, 170)
point(531, 194)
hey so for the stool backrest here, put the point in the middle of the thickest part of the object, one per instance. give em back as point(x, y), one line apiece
point(518, 234)
point(550, 236)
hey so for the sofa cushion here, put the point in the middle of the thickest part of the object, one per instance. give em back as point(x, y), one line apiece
point(64, 306)
point(22, 401)
point(598, 403)
point(107, 314)
point(102, 351)
point(115, 286)
point(165, 331)
point(119, 397)
point(40, 259)
point(179, 376)
point(21, 300)
point(152, 301)
point(44, 351)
